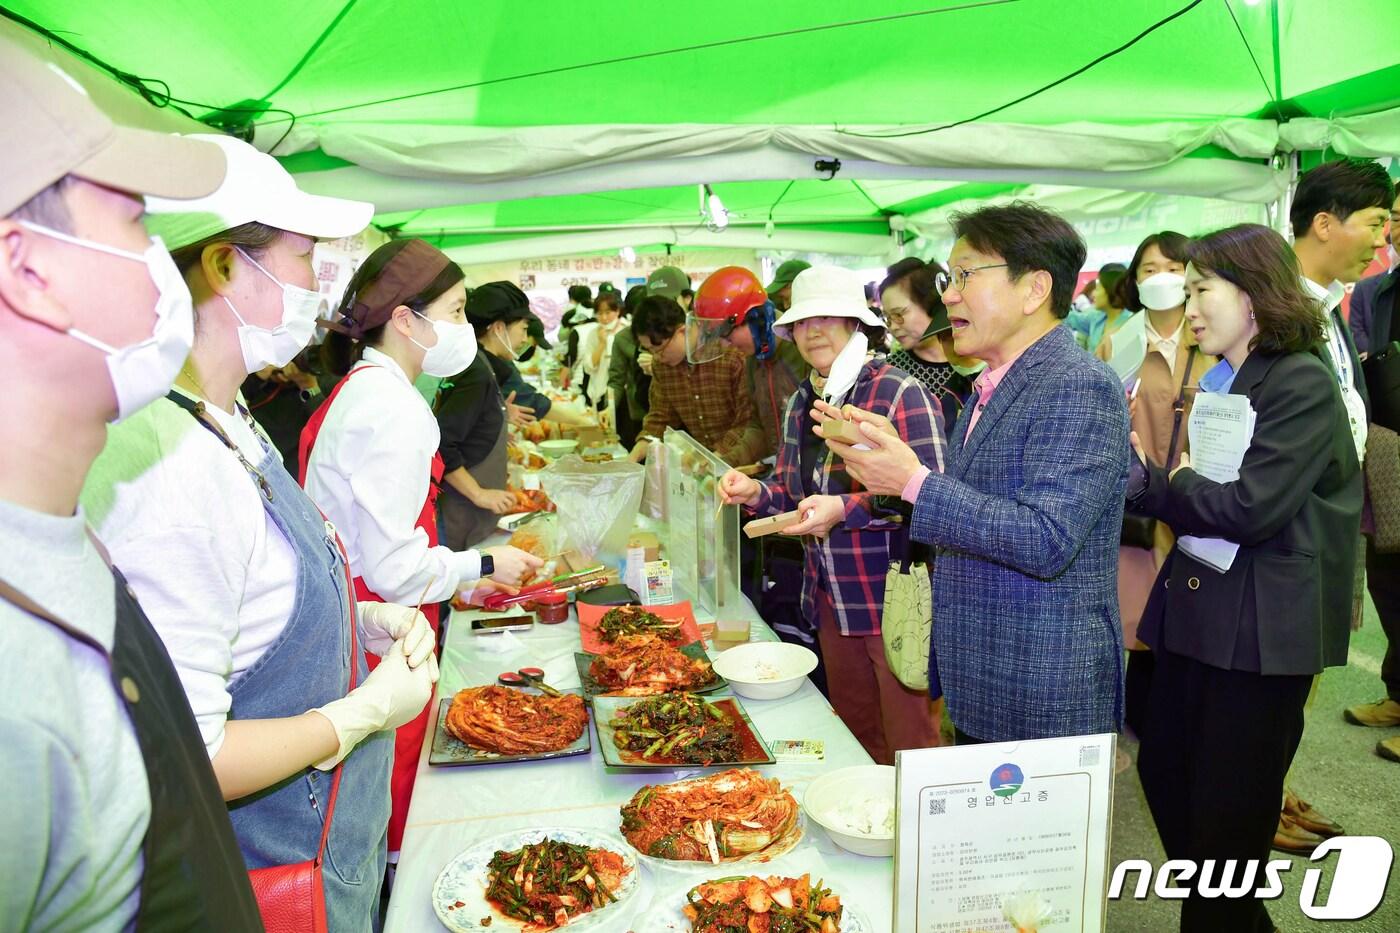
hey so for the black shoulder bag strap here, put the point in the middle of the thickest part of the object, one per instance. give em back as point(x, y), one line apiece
point(1179, 408)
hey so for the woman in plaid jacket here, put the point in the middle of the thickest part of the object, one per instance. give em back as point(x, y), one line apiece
point(848, 534)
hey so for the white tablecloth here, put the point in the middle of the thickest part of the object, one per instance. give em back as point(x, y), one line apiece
point(454, 808)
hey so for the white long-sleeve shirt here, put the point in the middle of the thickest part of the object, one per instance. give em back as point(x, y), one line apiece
point(369, 472)
point(1328, 299)
point(588, 345)
point(186, 524)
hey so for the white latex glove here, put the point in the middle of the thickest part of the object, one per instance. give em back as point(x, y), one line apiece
point(382, 624)
point(391, 695)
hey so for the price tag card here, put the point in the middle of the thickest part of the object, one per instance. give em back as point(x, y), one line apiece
point(659, 588)
point(1016, 833)
point(798, 749)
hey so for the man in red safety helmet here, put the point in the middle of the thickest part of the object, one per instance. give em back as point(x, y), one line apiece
point(732, 308)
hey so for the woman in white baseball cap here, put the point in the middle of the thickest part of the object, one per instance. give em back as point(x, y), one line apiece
point(240, 574)
point(849, 536)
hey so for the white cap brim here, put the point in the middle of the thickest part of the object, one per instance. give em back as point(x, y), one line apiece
point(827, 307)
point(256, 189)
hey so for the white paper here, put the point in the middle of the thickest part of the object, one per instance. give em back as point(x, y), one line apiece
point(982, 824)
point(1129, 348)
point(1221, 429)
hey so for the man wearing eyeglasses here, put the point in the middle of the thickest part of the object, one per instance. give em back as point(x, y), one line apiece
point(708, 400)
point(1027, 516)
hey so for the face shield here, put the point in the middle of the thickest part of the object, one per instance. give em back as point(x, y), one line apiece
point(705, 338)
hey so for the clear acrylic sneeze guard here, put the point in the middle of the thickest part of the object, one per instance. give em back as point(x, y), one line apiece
point(702, 536)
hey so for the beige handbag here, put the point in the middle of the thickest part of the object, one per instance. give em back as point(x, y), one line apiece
point(907, 622)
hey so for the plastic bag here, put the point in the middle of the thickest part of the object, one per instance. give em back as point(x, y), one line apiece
point(654, 492)
point(597, 503)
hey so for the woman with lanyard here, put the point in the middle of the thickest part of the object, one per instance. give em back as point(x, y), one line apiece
point(1169, 366)
point(370, 455)
point(239, 573)
point(1244, 612)
point(848, 535)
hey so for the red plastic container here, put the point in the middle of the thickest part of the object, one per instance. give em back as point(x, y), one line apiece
point(551, 609)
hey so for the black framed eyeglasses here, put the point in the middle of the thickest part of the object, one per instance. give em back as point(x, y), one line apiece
point(959, 276)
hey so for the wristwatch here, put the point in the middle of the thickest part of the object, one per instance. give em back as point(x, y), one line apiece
point(488, 565)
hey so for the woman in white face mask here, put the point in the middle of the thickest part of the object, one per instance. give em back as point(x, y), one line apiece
point(1171, 369)
point(370, 455)
point(239, 573)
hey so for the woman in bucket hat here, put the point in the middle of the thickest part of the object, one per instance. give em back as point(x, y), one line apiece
point(849, 535)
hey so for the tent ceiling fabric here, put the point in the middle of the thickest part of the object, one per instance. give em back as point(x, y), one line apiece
point(490, 154)
point(566, 114)
point(557, 62)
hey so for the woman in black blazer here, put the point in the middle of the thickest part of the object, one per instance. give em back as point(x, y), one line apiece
point(1236, 650)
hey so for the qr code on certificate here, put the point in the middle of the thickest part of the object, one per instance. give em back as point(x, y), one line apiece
point(937, 806)
point(1088, 756)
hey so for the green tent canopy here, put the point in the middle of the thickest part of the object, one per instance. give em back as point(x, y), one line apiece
point(506, 129)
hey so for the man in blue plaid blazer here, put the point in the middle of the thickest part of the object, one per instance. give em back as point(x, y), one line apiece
point(1028, 514)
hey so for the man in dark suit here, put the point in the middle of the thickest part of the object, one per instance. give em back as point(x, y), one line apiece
point(1375, 292)
point(1028, 515)
point(1374, 302)
point(1339, 215)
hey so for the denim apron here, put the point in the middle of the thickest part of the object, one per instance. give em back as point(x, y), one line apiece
point(408, 739)
point(306, 667)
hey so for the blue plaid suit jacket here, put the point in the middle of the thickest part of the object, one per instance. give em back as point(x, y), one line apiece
point(1026, 522)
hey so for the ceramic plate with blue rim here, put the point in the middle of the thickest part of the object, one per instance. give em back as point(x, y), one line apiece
point(459, 894)
point(448, 750)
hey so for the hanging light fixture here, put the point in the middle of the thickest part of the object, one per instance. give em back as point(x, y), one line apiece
point(628, 254)
point(713, 210)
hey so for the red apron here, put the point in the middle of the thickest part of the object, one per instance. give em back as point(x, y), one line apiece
point(408, 740)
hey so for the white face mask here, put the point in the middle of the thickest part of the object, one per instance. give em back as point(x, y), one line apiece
point(1163, 291)
point(280, 345)
point(454, 351)
point(143, 371)
point(510, 347)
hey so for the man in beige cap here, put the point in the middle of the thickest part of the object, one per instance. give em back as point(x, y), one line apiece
point(119, 822)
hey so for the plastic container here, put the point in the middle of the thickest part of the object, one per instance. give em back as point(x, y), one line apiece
point(553, 450)
point(551, 609)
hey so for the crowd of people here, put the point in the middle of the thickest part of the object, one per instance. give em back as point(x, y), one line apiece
point(231, 517)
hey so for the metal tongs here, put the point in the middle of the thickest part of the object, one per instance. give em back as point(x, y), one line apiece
point(580, 581)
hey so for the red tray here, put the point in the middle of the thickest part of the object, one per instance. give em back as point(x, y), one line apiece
point(589, 616)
